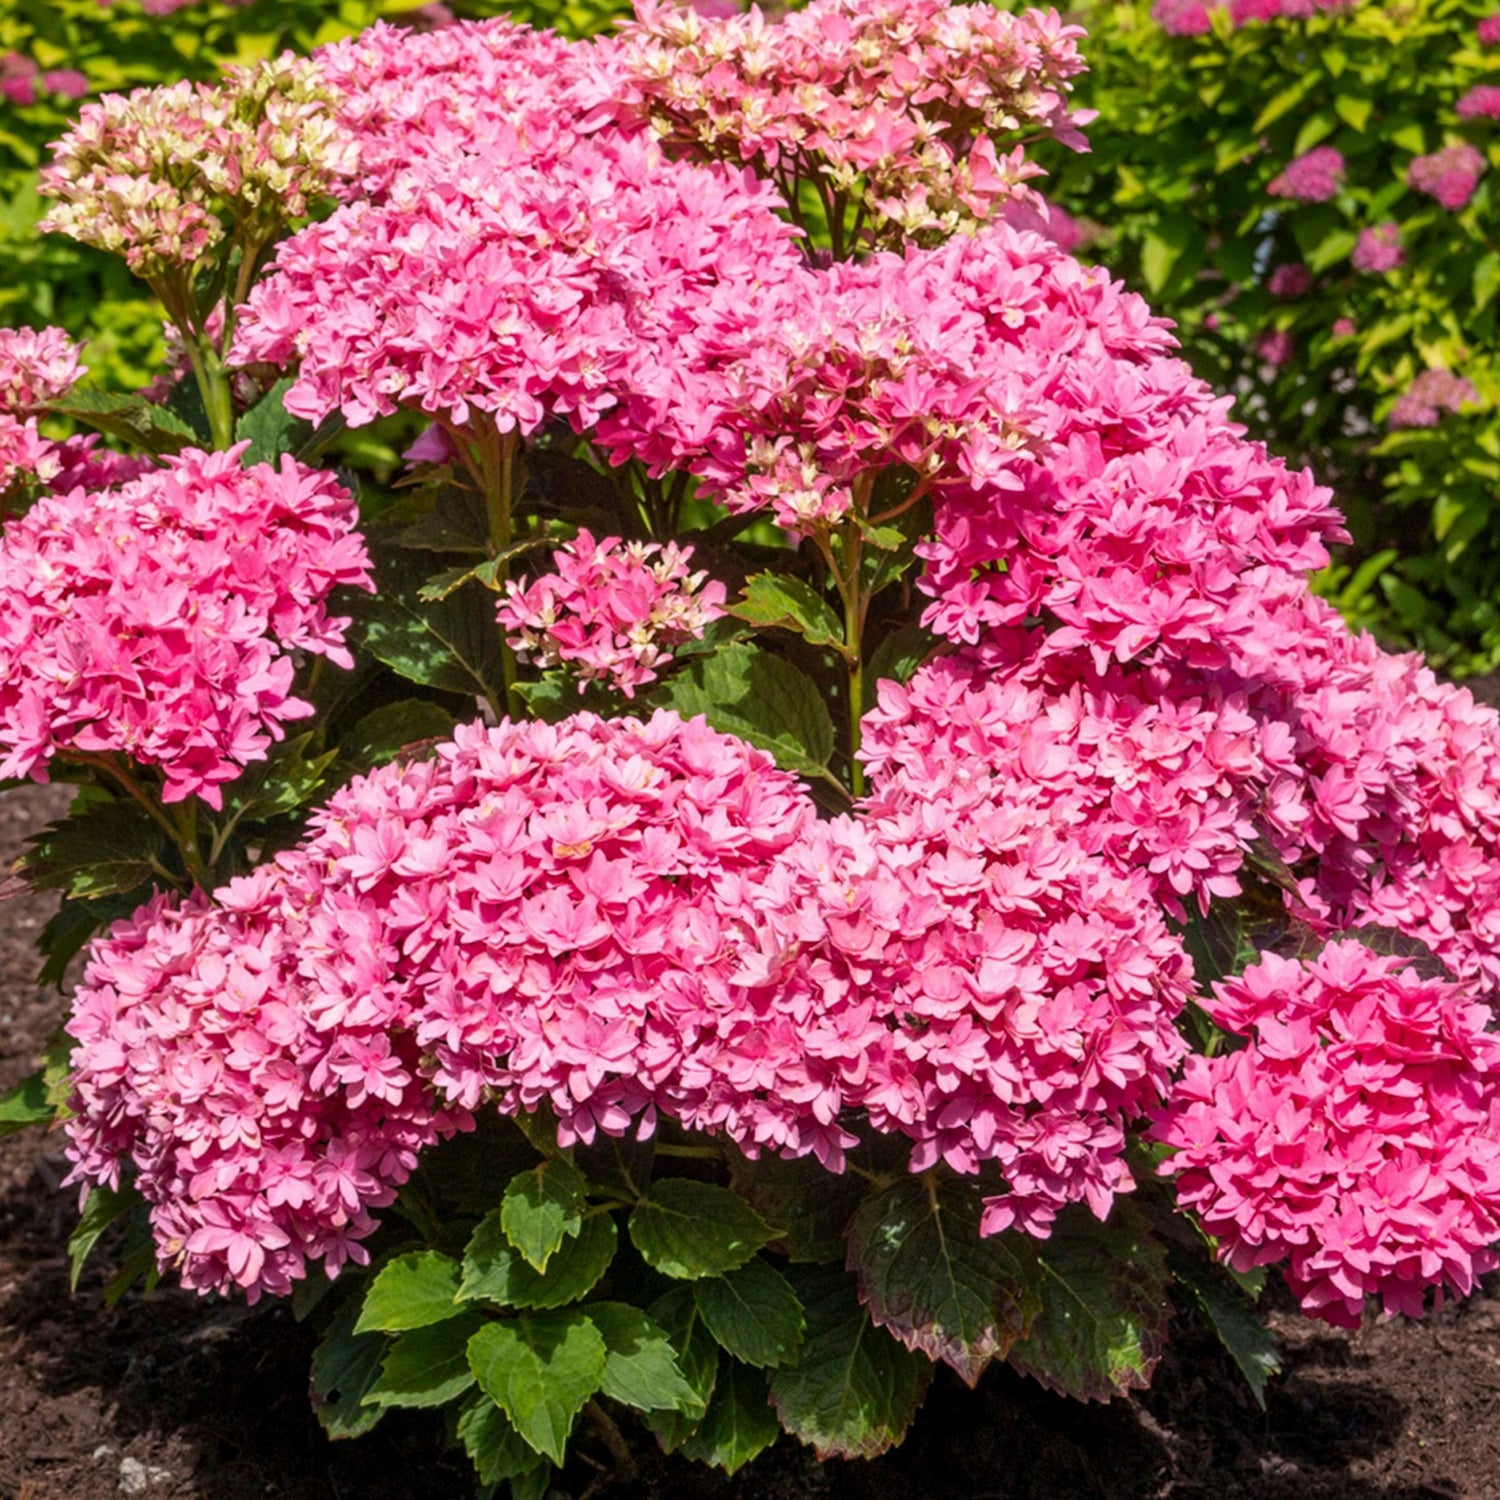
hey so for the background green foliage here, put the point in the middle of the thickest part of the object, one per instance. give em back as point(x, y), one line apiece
point(1191, 130)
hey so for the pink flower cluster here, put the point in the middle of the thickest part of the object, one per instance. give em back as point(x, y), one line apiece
point(37, 366)
point(1482, 102)
point(894, 105)
point(540, 914)
point(1290, 279)
point(154, 175)
point(1487, 33)
point(1355, 1137)
point(1193, 17)
point(1313, 177)
point(508, 287)
point(612, 612)
point(161, 620)
point(1450, 175)
point(1378, 249)
point(1433, 393)
point(22, 80)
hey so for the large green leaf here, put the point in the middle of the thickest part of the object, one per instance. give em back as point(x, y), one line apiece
point(676, 1313)
point(108, 848)
point(640, 1368)
point(288, 779)
point(495, 1271)
point(927, 1276)
point(689, 1229)
point(103, 1206)
point(344, 1366)
point(744, 691)
point(269, 427)
point(739, 1423)
point(815, 1205)
point(540, 1368)
point(1103, 1319)
point(753, 1312)
point(453, 644)
point(428, 1366)
point(854, 1389)
point(543, 1207)
point(775, 599)
point(412, 1291)
point(1230, 1312)
point(385, 733)
point(153, 428)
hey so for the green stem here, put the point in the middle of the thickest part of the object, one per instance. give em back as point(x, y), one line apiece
point(497, 465)
point(172, 826)
point(691, 1153)
point(213, 387)
point(185, 815)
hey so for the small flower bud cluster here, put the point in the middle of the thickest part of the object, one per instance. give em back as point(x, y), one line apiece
point(158, 175)
point(611, 611)
point(37, 366)
point(896, 104)
point(160, 620)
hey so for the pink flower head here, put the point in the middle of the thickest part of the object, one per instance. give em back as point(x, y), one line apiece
point(1488, 31)
point(906, 106)
point(158, 620)
point(1450, 175)
point(1378, 249)
point(1353, 1139)
point(1429, 396)
point(1482, 102)
point(68, 83)
point(1182, 17)
point(559, 913)
point(1291, 279)
point(1313, 177)
point(18, 75)
point(1342, 328)
point(1276, 346)
point(611, 611)
point(37, 366)
point(157, 175)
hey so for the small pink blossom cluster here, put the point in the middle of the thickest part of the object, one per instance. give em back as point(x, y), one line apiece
point(1378, 249)
point(22, 80)
point(613, 612)
point(1194, 17)
point(1482, 102)
point(1450, 175)
point(153, 175)
point(37, 366)
point(895, 105)
point(1313, 177)
point(540, 914)
point(1433, 393)
point(1355, 1137)
point(1487, 33)
point(1290, 279)
point(512, 288)
point(161, 619)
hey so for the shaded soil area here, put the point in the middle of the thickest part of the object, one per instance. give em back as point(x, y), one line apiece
point(175, 1398)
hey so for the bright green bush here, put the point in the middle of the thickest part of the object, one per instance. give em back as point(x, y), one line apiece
point(1193, 131)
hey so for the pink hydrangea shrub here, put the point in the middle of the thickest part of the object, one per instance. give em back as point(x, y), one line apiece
point(1313, 177)
point(160, 620)
point(611, 611)
point(1354, 1138)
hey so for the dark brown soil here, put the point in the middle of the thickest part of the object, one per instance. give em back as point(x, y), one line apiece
point(174, 1398)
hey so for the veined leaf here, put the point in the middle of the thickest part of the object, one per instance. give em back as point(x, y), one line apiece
point(153, 428)
point(753, 1313)
point(792, 603)
point(427, 1366)
point(739, 1423)
point(495, 1271)
point(640, 1365)
point(543, 1207)
point(689, 1229)
point(412, 1291)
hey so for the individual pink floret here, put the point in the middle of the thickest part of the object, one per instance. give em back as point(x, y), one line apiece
point(611, 611)
point(1354, 1138)
point(162, 620)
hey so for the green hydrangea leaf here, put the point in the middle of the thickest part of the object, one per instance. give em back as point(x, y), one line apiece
point(753, 1313)
point(412, 1291)
point(543, 1207)
point(854, 1390)
point(739, 1423)
point(539, 1368)
point(495, 1271)
point(427, 1366)
point(688, 1229)
point(640, 1368)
